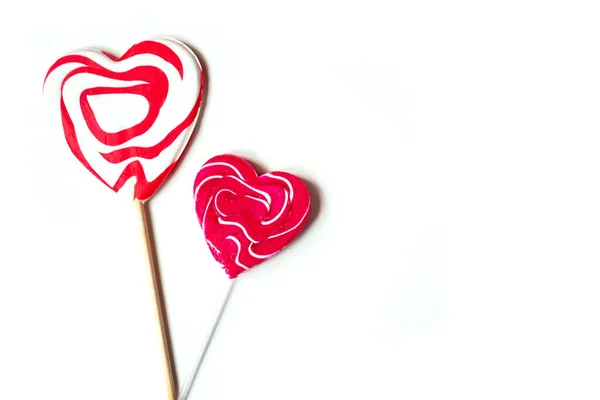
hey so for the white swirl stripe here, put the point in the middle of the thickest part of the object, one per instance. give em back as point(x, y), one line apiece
point(214, 164)
point(283, 207)
point(261, 200)
point(217, 200)
point(203, 182)
point(265, 194)
point(205, 211)
point(288, 183)
point(263, 257)
point(239, 246)
point(224, 222)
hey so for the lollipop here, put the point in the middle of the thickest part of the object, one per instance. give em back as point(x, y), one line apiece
point(246, 219)
point(128, 117)
point(127, 120)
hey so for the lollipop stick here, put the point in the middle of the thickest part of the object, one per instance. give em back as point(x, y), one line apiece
point(187, 386)
point(159, 306)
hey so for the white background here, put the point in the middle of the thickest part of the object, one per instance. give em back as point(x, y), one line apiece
point(453, 153)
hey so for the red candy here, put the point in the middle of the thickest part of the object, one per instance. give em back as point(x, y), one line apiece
point(126, 150)
point(248, 218)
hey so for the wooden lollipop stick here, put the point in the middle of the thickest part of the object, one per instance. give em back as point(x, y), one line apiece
point(159, 308)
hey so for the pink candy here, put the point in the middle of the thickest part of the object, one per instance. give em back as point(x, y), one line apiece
point(248, 218)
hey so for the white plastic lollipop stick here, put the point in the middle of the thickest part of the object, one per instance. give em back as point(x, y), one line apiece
point(189, 382)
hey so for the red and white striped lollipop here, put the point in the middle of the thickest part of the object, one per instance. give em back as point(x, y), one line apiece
point(248, 218)
point(131, 116)
point(128, 120)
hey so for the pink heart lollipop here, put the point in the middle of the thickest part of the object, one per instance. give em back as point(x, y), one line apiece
point(248, 218)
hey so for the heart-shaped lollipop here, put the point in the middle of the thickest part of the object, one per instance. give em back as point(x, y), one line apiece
point(248, 218)
point(130, 116)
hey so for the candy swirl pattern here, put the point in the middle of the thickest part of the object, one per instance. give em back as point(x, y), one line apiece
point(247, 218)
point(132, 156)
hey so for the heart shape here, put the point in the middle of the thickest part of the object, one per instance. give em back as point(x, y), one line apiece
point(247, 218)
point(165, 74)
